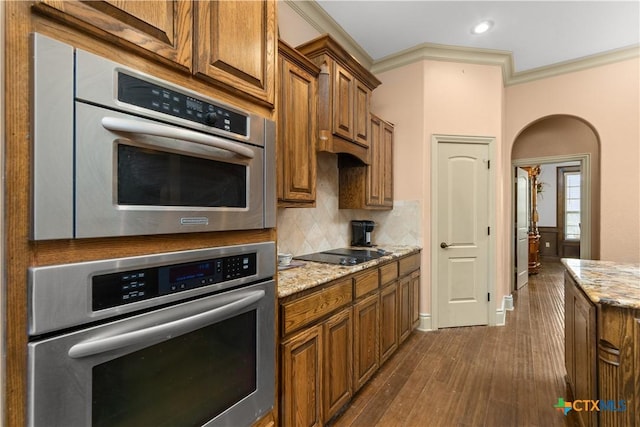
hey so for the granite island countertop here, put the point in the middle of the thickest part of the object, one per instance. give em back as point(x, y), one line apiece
point(607, 282)
point(311, 274)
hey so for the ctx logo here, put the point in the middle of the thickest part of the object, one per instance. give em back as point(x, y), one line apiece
point(590, 405)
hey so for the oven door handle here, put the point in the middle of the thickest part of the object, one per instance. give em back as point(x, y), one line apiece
point(169, 329)
point(115, 124)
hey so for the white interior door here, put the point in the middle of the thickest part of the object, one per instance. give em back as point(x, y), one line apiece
point(462, 234)
point(522, 228)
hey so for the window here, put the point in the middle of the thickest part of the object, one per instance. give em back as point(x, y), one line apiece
point(572, 206)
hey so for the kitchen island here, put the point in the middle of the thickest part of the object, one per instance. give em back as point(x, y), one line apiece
point(602, 341)
point(337, 325)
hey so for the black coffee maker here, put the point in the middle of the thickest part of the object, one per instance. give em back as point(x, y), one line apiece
point(361, 232)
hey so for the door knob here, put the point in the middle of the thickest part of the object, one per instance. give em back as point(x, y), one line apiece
point(443, 245)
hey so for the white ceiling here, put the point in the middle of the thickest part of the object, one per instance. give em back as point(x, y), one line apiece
point(537, 33)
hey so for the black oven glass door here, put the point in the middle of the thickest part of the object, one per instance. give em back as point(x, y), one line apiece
point(185, 381)
point(150, 177)
point(209, 362)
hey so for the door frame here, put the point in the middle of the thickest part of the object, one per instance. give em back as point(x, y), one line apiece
point(585, 202)
point(490, 142)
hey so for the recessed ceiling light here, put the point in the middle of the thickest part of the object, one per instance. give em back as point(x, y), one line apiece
point(482, 27)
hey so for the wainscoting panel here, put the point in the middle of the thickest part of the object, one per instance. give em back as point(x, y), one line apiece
point(549, 235)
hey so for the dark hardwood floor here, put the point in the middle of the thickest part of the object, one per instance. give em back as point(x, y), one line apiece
point(508, 375)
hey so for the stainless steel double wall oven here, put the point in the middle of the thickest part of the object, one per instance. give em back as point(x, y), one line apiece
point(172, 339)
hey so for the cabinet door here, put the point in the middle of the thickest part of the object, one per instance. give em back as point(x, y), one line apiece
point(296, 135)
point(235, 46)
point(302, 378)
point(386, 164)
point(366, 359)
point(160, 29)
point(374, 181)
point(361, 100)
point(338, 350)
point(415, 299)
point(580, 348)
point(569, 326)
point(584, 335)
point(343, 90)
point(406, 308)
point(388, 321)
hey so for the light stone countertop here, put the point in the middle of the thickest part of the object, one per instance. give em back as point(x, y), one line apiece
point(607, 282)
point(311, 274)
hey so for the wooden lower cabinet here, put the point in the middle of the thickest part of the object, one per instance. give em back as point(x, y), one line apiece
point(338, 350)
point(405, 311)
point(366, 330)
point(580, 348)
point(415, 299)
point(602, 354)
point(334, 339)
point(388, 321)
point(302, 378)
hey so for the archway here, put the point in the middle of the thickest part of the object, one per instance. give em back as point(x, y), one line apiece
point(561, 138)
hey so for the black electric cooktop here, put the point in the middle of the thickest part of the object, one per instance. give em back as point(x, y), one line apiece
point(344, 256)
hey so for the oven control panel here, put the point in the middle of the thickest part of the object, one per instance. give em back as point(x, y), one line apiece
point(151, 96)
point(126, 287)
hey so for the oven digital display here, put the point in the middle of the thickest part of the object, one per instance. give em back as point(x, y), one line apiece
point(141, 93)
point(194, 104)
point(111, 290)
point(192, 271)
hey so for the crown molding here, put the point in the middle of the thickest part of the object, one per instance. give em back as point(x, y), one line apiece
point(323, 23)
point(592, 61)
point(437, 52)
point(311, 12)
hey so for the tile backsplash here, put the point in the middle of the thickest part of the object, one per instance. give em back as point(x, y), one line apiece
point(307, 230)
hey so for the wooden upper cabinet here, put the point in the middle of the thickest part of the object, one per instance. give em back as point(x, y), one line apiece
point(297, 128)
point(371, 186)
point(343, 110)
point(159, 29)
point(235, 46)
point(362, 100)
point(344, 96)
point(231, 44)
point(386, 165)
point(373, 183)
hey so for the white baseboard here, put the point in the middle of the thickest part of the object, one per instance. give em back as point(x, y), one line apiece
point(501, 315)
point(501, 312)
point(425, 322)
point(507, 302)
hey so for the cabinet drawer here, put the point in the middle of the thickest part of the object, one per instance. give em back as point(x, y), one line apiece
point(409, 264)
point(365, 282)
point(388, 273)
point(303, 311)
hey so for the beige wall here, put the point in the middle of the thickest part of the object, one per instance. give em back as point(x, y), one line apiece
point(608, 98)
point(436, 97)
point(292, 28)
point(560, 136)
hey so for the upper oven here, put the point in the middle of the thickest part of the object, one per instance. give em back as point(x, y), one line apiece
point(118, 152)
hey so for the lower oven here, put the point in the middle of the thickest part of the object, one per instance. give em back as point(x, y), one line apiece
point(174, 339)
